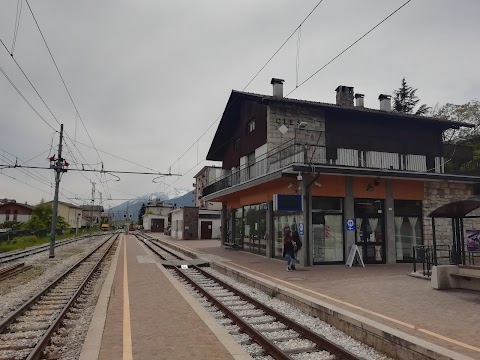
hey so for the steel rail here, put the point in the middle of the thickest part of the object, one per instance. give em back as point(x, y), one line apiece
point(261, 340)
point(43, 343)
point(6, 258)
point(321, 342)
point(318, 339)
point(15, 314)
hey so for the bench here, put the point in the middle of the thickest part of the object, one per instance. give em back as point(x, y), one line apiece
point(466, 276)
point(463, 269)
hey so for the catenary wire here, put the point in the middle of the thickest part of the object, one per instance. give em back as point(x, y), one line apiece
point(17, 23)
point(349, 47)
point(253, 78)
point(323, 67)
point(25, 99)
point(61, 77)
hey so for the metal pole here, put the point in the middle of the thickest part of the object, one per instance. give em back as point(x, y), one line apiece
point(93, 202)
point(434, 243)
point(58, 170)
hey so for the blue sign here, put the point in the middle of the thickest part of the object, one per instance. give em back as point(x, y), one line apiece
point(350, 225)
point(300, 229)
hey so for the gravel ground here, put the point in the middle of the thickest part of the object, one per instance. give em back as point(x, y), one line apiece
point(20, 288)
point(267, 322)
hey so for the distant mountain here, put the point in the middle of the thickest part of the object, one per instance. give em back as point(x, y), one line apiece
point(181, 201)
point(133, 206)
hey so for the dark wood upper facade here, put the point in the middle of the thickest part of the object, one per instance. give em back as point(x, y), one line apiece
point(373, 132)
point(345, 127)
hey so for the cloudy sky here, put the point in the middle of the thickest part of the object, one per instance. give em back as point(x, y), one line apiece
point(149, 77)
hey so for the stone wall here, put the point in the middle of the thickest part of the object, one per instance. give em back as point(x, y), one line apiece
point(291, 115)
point(439, 193)
point(190, 223)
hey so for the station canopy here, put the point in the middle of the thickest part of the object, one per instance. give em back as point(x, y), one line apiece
point(456, 209)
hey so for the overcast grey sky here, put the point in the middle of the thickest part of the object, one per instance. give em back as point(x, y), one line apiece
point(148, 77)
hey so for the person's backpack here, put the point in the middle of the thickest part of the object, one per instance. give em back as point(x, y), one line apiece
point(299, 244)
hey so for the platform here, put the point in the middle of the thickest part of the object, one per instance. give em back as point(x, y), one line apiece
point(148, 316)
point(384, 294)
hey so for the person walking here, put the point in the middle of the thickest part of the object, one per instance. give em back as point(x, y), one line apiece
point(297, 245)
point(288, 249)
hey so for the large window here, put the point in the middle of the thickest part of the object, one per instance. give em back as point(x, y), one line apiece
point(255, 229)
point(282, 220)
point(327, 226)
point(238, 231)
point(408, 228)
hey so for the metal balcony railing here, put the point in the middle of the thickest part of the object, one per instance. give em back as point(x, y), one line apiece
point(321, 155)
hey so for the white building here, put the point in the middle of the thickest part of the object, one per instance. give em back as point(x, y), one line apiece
point(156, 216)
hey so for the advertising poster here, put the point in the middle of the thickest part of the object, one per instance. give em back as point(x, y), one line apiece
point(473, 239)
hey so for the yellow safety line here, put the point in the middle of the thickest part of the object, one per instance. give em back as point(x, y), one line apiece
point(453, 341)
point(127, 330)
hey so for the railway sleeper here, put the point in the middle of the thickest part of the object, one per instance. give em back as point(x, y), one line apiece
point(15, 346)
point(307, 349)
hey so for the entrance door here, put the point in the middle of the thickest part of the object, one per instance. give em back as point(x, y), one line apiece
point(206, 230)
point(370, 236)
point(158, 225)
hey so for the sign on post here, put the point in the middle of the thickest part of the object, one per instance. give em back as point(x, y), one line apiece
point(350, 225)
point(301, 230)
point(354, 253)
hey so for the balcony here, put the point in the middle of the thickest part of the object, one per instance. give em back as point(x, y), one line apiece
point(300, 154)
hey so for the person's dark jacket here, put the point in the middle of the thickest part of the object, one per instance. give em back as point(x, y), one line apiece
point(288, 248)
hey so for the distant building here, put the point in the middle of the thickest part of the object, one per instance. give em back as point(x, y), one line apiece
point(94, 215)
point(72, 214)
point(185, 223)
point(155, 218)
point(10, 210)
point(206, 176)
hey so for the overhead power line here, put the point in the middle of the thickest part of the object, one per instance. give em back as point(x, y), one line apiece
point(349, 47)
point(91, 170)
point(252, 79)
point(303, 82)
point(61, 77)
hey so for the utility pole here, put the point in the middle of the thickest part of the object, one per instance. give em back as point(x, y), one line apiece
point(93, 202)
point(58, 166)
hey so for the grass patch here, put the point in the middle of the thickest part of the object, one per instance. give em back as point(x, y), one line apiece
point(23, 242)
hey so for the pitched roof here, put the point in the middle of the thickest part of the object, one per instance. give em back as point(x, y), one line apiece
point(228, 124)
point(16, 203)
point(65, 203)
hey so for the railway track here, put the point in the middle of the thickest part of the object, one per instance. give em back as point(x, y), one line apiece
point(12, 256)
point(12, 270)
point(269, 333)
point(27, 332)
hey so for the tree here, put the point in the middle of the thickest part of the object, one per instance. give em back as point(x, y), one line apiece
point(405, 100)
point(140, 214)
point(42, 218)
point(466, 113)
point(12, 224)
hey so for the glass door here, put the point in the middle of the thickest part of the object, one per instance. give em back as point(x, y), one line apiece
point(370, 236)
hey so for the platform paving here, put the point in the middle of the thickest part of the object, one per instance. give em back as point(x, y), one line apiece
point(164, 321)
point(383, 293)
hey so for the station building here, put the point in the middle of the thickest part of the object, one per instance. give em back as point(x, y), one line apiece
point(340, 174)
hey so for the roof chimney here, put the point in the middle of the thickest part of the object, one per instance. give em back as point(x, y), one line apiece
point(344, 95)
point(277, 87)
point(359, 100)
point(385, 102)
